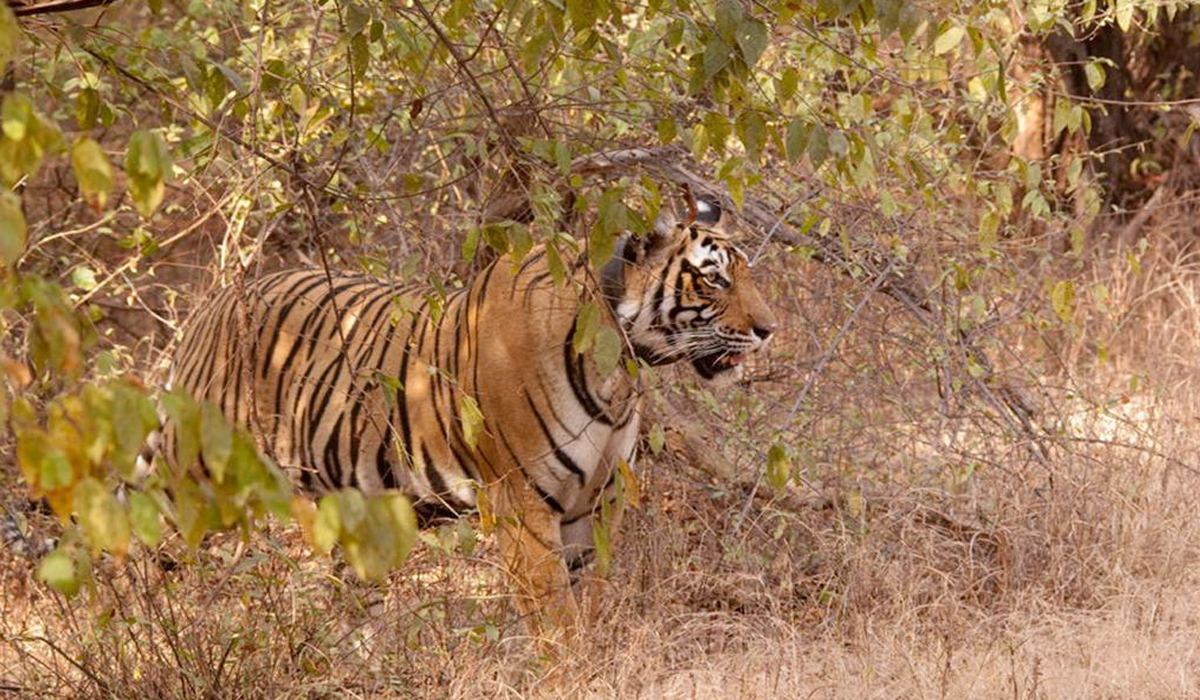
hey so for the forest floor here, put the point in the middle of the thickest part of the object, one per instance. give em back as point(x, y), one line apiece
point(923, 548)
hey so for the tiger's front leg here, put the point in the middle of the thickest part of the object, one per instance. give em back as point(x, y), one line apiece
point(579, 551)
point(530, 537)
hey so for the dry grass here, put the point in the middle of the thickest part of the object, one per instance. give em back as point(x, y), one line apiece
point(925, 550)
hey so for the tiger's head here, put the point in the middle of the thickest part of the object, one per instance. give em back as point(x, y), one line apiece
point(685, 292)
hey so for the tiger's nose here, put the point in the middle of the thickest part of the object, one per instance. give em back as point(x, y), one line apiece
point(764, 332)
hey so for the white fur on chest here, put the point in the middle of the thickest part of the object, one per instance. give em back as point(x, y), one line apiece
point(590, 444)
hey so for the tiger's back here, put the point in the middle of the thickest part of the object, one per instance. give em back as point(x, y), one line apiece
point(349, 381)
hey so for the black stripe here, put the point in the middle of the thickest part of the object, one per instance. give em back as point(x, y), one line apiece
point(529, 260)
point(383, 465)
point(338, 362)
point(462, 452)
point(202, 382)
point(578, 381)
point(292, 297)
point(482, 286)
point(196, 339)
point(559, 453)
point(656, 307)
point(441, 393)
point(437, 485)
point(320, 310)
point(550, 500)
point(332, 463)
point(575, 519)
point(465, 455)
point(533, 285)
point(402, 401)
point(357, 402)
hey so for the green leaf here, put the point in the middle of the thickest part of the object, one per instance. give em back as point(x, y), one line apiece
point(818, 145)
point(752, 38)
point(658, 439)
point(92, 170)
point(327, 527)
point(193, 513)
point(104, 522)
point(602, 242)
point(352, 509)
point(143, 515)
point(667, 130)
point(360, 53)
point(752, 131)
point(298, 100)
point(84, 277)
point(133, 418)
point(467, 539)
point(383, 536)
point(10, 32)
point(87, 108)
point(1087, 11)
point(12, 229)
point(779, 467)
point(729, 19)
point(1123, 10)
point(948, 40)
point(16, 116)
point(582, 14)
point(1096, 75)
point(216, 440)
point(887, 14)
point(55, 470)
point(1062, 299)
point(989, 226)
point(587, 323)
point(788, 83)
point(148, 165)
point(472, 420)
point(602, 539)
point(715, 57)
point(356, 18)
point(184, 415)
point(607, 351)
point(403, 522)
point(57, 570)
point(797, 139)
point(839, 145)
point(910, 20)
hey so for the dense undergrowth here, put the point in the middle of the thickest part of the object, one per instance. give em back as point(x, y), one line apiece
point(963, 469)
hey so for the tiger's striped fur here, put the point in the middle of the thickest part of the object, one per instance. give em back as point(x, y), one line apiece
point(305, 359)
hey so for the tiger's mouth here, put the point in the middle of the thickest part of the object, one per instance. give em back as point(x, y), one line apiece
point(718, 363)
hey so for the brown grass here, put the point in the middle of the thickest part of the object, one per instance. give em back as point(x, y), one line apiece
point(924, 550)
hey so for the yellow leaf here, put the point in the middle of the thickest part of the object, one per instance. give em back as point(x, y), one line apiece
point(472, 420)
point(93, 171)
point(1062, 299)
point(629, 480)
point(12, 228)
point(948, 40)
point(1124, 14)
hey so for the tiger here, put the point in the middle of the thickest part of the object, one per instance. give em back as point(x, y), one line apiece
point(303, 355)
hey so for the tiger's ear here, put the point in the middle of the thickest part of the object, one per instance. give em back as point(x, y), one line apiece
point(666, 230)
point(709, 213)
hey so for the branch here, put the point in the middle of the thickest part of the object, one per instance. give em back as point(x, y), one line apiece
point(891, 276)
point(20, 9)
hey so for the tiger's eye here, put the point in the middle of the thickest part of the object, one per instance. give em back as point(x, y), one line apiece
point(714, 279)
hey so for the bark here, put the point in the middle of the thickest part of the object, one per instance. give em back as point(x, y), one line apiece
point(1115, 130)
